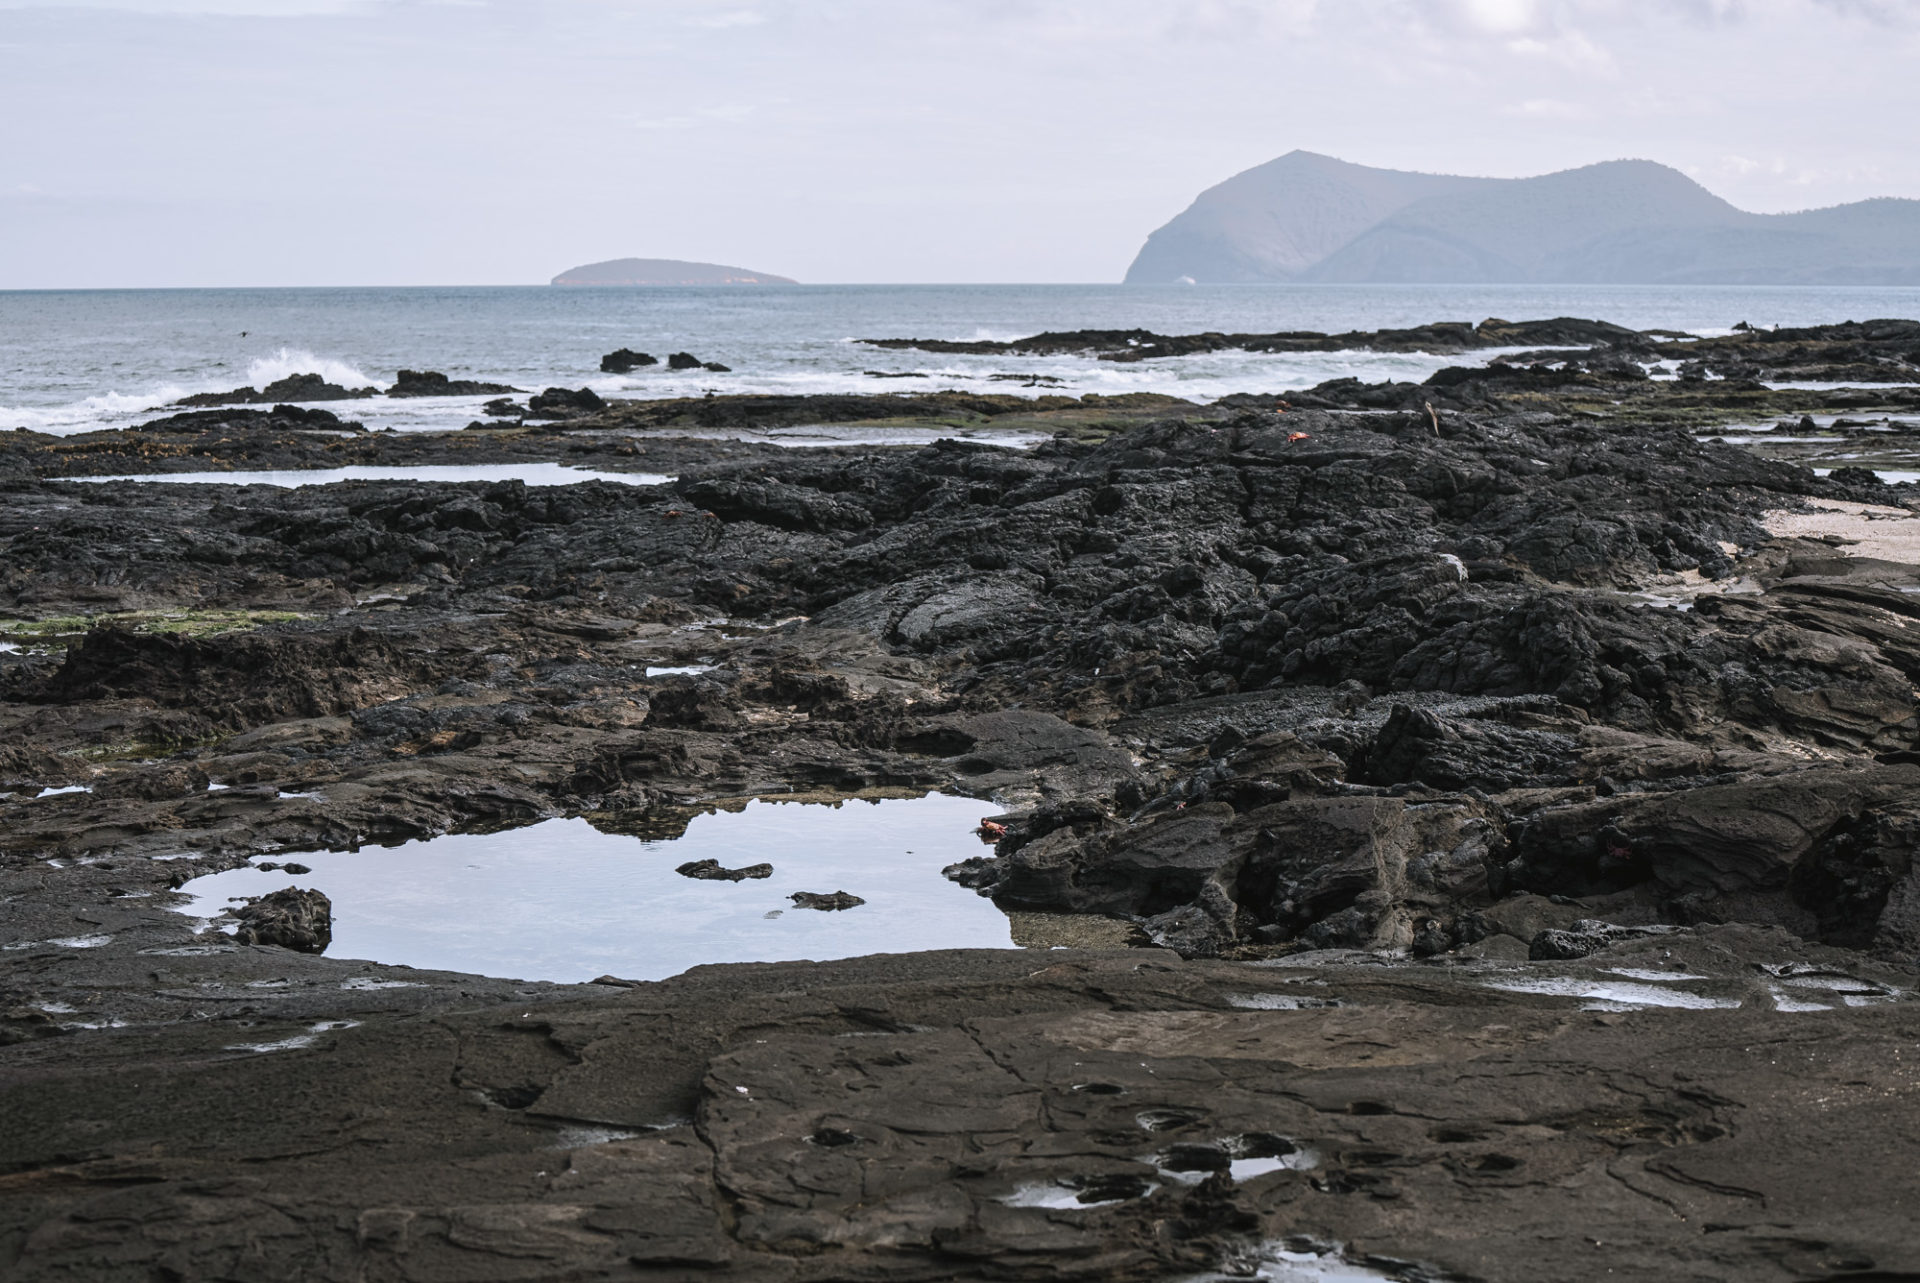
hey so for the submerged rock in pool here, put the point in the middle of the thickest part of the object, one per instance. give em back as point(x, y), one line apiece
point(815, 900)
point(293, 919)
point(710, 870)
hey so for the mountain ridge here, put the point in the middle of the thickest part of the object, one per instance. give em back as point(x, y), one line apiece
point(1312, 218)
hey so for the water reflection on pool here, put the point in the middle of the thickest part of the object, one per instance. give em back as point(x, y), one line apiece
point(534, 474)
point(562, 901)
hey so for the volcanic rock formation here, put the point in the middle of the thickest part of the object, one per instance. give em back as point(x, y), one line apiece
point(1305, 217)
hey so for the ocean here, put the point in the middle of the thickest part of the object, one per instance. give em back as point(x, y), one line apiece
point(86, 359)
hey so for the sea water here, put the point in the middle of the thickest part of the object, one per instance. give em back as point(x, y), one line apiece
point(79, 360)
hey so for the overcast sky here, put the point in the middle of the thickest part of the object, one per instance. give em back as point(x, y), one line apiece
point(294, 142)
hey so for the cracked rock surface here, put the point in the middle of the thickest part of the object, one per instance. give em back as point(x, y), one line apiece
point(1482, 837)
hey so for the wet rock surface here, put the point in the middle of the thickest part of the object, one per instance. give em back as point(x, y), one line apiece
point(1526, 831)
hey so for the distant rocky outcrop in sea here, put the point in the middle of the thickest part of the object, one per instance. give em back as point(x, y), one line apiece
point(1311, 218)
point(664, 271)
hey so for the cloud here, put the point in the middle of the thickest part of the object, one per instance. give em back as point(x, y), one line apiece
point(1501, 17)
point(732, 113)
point(1886, 13)
point(724, 20)
point(1572, 50)
point(209, 8)
point(1550, 109)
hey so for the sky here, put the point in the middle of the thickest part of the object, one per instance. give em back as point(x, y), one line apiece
point(420, 142)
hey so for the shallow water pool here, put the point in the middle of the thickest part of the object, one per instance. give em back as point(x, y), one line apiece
point(562, 901)
point(534, 474)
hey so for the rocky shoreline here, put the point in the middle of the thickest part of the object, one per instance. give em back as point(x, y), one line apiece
point(1507, 789)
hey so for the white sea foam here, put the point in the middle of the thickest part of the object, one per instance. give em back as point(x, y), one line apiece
point(290, 361)
point(118, 409)
point(106, 410)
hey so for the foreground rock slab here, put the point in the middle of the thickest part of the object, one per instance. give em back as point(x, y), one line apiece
point(1009, 1115)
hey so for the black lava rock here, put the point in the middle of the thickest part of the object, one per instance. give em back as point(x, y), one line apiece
point(625, 360)
point(412, 383)
point(710, 871)
point(829, 901)
point(292, 919)
point(563, 403)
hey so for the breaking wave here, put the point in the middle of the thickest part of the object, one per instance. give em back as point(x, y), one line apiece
point(116, 409)
point(268, 369)
point(88, 413)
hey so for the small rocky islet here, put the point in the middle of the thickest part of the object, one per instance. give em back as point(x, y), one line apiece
point(1483, 813)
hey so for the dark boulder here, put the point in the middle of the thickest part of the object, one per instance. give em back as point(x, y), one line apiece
point(294, 387)
point(292, 919)
point(564, 403)
point(414, 383)
point(625, 360)
point(684, 361)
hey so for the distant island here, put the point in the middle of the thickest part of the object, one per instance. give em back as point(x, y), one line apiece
point(1311, 218)
point(664, 271)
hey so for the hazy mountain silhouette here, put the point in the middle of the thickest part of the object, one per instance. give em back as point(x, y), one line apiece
point(664, 271)
point(1306, 217)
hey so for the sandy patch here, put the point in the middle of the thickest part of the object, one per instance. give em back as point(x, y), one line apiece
point(1871, 530)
